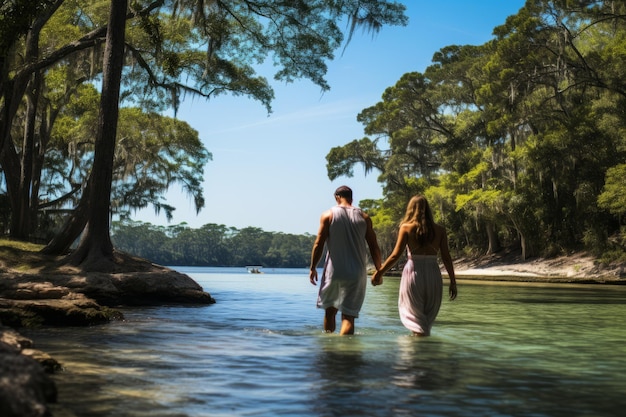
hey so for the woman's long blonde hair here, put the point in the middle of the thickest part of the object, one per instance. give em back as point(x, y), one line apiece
point(418, 211)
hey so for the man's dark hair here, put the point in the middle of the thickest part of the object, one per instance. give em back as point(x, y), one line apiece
point(345, 192)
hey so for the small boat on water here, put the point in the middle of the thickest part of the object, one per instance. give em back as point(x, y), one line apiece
point(254, 269)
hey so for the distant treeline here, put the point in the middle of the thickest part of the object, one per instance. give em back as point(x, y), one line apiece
point(212, 245)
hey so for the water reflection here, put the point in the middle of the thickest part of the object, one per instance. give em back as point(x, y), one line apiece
point(342, 369)
point(378, 376)
point(422, 364)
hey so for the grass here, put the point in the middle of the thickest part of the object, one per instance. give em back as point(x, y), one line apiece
point(25, 257)
point(22, 256)
point(20, 245)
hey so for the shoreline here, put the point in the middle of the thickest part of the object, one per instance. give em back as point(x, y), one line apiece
point(504, 276)
point(576, 268)
point(39, 290)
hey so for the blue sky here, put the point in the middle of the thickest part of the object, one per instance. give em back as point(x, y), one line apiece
point(269, 171)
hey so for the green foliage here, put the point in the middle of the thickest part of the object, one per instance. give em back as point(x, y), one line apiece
point(520, 141)
point(51, 59)
point(341, 160)
point(613, 196)
point(384, 222)
point(212, 245)
point(153, 153)
point(212, 48)
point(156, 152)
point(616, 248)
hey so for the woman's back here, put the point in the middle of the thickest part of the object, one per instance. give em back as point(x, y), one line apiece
point(429, 248)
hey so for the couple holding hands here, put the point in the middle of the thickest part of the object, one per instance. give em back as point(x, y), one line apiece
point(347, 233)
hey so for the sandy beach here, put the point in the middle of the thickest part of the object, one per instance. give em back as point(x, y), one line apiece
point(576, 268)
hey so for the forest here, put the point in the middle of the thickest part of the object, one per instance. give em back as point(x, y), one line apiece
point(212, 245)
point(85, 86)
point(519, 142)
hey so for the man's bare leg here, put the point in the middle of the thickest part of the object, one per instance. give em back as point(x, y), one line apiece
point(329, 320)
point(347, 324)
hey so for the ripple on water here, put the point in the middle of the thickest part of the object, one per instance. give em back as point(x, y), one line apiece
point(260, 351)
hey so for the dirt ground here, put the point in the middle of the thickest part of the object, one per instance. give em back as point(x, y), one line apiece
point(577, 267)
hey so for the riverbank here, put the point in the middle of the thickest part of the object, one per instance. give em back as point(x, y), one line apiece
point(39, 290)
point(576, 268)
point(508, 266)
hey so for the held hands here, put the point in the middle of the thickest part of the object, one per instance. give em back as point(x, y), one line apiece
point(377, 278)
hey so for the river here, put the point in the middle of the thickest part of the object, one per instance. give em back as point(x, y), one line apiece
point(498, 350)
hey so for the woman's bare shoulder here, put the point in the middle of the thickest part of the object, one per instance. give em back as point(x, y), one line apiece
point(408, 226)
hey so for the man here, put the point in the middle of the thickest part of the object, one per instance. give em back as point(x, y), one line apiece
point(346, 231)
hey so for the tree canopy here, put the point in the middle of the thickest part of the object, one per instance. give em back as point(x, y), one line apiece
point(62, 147)
point(519, 141)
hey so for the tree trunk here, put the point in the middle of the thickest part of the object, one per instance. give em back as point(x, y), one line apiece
point(95, 245)
point(18, 170)
point(71, 230)
point(9, 158)
point(492, 236)
point(21, 225)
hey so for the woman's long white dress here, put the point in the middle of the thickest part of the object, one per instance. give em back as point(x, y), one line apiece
point(421, 289)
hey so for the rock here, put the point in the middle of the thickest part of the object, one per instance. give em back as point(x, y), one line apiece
point(50, 293)
point(77, 311)
point(25, 389)
point(49, 364)
point(148, 285)
point(12, 338)
point(78, 298)
point(158, 288)
point(29, 300)
point(135, 288)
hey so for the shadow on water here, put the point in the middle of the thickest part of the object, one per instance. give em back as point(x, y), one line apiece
point(107, 373)
point(364, 375)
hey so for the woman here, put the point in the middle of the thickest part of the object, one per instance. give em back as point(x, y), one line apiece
point(421, 286)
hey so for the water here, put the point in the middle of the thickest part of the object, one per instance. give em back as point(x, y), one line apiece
point(498, 350)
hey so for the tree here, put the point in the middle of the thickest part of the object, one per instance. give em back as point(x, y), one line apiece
point(613, 196)
point(164, 49)
point(153, 153)
point(513, 137)
point(212, 245)
point(19, 19)
point(144, 240)
point(95, 245)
